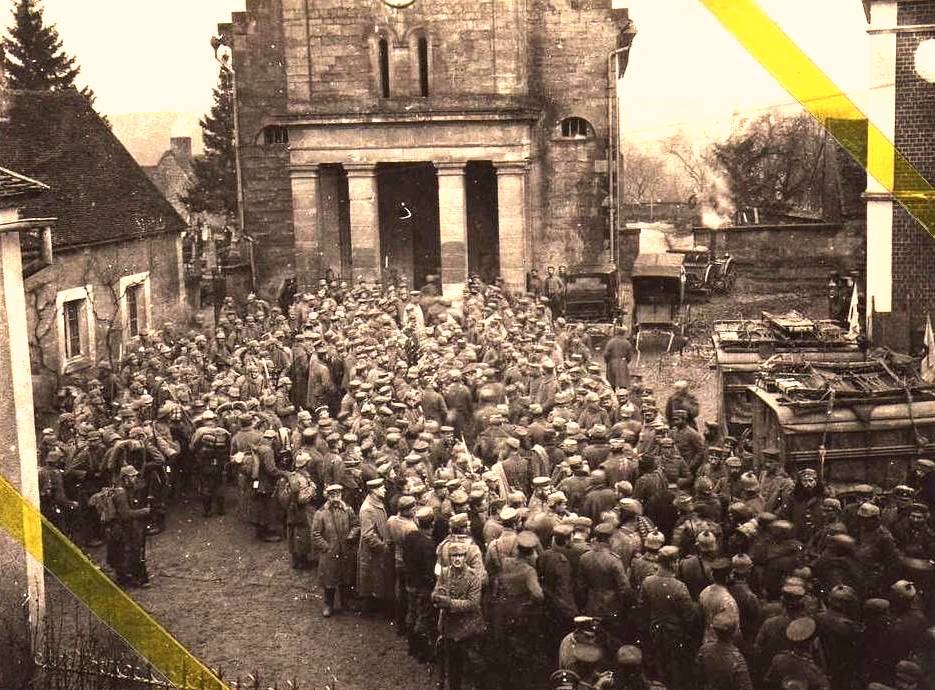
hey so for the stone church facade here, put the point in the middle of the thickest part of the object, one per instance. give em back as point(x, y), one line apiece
point(418, 137)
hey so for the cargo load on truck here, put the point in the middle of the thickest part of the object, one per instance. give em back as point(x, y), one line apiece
point(862, 422)
point(742, 346)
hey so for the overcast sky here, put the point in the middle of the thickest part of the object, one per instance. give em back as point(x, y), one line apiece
point(684, 70)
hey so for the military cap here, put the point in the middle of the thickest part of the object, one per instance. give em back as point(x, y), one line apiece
point(629, 655)
point(598, 431)
point(508, 514)
point(793, 587)
point(925, 465)
point(208, 414)
point(541, 481)
point(903, 589)
point(423, 513)
point(908, 671)
point(868, 510)
point(557, 497)
point(903, 491)
point(831, 503)
point(459, 520)
point(128, 471)
point(513, 442)
point(683, 503)
point(734, 461)
point(477, 495)
point(668, 552)
point(374, 484)
point(301, 460)
point(333, 488)
point(405, 502)
point(453, 483)
point(604, 529)
point(527, 540)
point(864, 489)
point(800, 630)
point(457, 548)
point(563, 529)
point(459, 497)
point(706, 539)
point(741, 563)
point(781, 528)
point(654, 541)
point(631, 506)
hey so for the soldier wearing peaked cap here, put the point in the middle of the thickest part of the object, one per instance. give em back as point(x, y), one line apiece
point(515, 610)
point(457, 595)
point(798, 663)
point(335, 529)
point(720, 664)
point(374, 560)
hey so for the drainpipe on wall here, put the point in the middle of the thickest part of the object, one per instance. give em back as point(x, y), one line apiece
point(613, 135)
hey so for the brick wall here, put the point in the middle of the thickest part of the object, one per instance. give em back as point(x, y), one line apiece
point(100, 267)
point(300, 56)
point(913, 246)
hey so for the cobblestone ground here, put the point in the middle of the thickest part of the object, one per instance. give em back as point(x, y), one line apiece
point(238, 605)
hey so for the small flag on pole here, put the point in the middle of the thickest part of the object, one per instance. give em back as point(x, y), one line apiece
point(853, 316)
point(928, 362)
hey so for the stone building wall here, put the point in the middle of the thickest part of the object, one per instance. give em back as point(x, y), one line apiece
point(101, 267)
point(300, 60)
point(913, 246)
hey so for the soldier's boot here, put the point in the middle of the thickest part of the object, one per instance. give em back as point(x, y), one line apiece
point(206, 506)
point(329, 603)
point(219, 503)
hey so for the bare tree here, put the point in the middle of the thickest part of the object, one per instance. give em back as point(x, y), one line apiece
point(642, 176)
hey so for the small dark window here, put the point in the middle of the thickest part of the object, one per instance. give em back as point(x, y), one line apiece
point(72, 311)
point(133, 309)
point(384, 68)
point(423, 47)
point(275, 134)
point(576, 128)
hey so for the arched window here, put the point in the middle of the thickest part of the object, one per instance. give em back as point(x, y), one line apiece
point(275, 134)
point(576, 128)
point(383, 50)
point(423, 50)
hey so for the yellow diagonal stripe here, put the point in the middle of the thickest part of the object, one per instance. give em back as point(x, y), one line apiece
point(796, 73)
point(105, 599)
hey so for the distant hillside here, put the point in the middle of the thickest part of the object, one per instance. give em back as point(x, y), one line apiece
point(146, 135)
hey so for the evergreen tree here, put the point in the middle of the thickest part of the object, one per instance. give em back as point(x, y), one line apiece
point(214, 189)
point(35, 59)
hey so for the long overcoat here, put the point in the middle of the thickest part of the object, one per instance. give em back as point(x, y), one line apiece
point(374, 562)
point(334, 534)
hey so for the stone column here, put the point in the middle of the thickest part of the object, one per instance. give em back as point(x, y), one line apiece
point(365, 221)
point(452, 221)
point(22, 587)
point(305, 223)
point(511, 203)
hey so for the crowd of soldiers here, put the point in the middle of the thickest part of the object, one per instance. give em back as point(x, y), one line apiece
point(503, 492)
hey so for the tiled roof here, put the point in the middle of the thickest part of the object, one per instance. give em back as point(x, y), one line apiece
point(98, 192)
point(15, 185)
